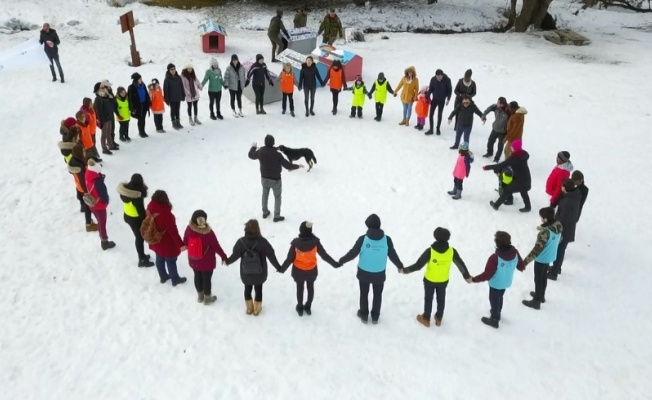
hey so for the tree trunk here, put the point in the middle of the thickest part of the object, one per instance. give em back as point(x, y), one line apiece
point(532, 13)
point(540, 13)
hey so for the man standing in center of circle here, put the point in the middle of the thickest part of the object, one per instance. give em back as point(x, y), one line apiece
point(271, 164)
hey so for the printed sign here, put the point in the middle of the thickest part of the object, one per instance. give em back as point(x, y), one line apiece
point(209, 26)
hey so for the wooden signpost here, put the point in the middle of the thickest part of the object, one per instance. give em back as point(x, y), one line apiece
point(127, 24)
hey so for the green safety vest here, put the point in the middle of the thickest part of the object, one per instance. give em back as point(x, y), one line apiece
point(130, 210)
point(506, 179)
point(67, 158)
point(439, 267)
point(358, 96)
point(123, 109)
point(380, 94)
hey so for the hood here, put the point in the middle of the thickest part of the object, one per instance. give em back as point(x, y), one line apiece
point(522, 154)
point(372, 222)
point(375, 234)
point(440, 247)
point(521, 110)
point(567, 166)
point(126, 192)
point(507, 253)
point(157, 208)
point(555, 227)
point(412, 69)
point(66, 145)
point(573, 194)
point(202, 230)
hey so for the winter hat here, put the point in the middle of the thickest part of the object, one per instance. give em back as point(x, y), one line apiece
point(464, 146)
point(137, 180)
point(69, 122)
point(199, 218)
point(105, 82)
point(94, 166)
point(568, 185)
point(188, 66)
point(259, 57)
point(517, 145)
point(548, 213)
point(439, 72)
point(234, 58)
point(214, 62)
point(306, 228)
point(502, 239)
point(96, 87)
point(135, 76)
point(423, 89)
point(269, 141)
point(442, 234)
point(381, 76)
point(468, 73)
point(563, 156)
point(372, 222)
point(513, 104)
point(279, 13)
point(155, 81)
point(170, 66)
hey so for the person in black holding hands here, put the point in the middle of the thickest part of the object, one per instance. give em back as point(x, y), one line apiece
point(258, 74)
point(308, 82)
point(465, 87)
point(440, 90)
point(521, 178)
point(464, 111)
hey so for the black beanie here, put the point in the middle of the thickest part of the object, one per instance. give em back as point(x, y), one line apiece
point(259, 57)
point(135, 76)
point(234, 57)
point(381, 76)
point(439, 72)
point(96, 87)
point(305, 229)
point(442, 234)
point(269, 141)
point(468, 73)
point(372, 222)
point(170, 66)
point(137, 180)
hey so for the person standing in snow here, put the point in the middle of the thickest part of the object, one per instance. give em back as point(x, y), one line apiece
point(379, 89)
point(122, 113)
point(50, 41)
point(139, 102)
point(359, 93)
point(568, 213)
point(287, 87)
point(257, 75)
point(336, 81)
point(303, 257)
point(202, 245)
point(464, 111)
point(192, 88)
point(234, 80)
point(104, 105)
point(462, 170)
point(498, 129)
point(465, 87)
point(331, 26)
point(561, 172)
point(85, 136)
point(373, 249)
point(158, 104)
point(77, 168)
point(301, 18)
point(544, 252)
point(521, 178)
point(499, 271)
point(437, 259)
point(215, 81)
point(410, 85)
point(167, 250)
point(276, 26)
point(91, 119)
point(578, 179)
point(254, 250)
point(308, 83)
point(133, 194)
point(173, 94)
point(440, 89)
point(421, 108)
point(271, 164)
point(69, 137)
point(514, 126)
point(96, 190)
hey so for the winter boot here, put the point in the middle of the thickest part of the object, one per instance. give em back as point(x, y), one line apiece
point(200, 297)
point(437, 321)
point(192, 122)
point(403, 122)
point(143, 135)
point(525, 209)
point(452, 192)
point(299, 309)
point(179, 281)
point(262, 111)
point(490, 321)
point(283, 111)
point(197, 121)
point(423, 321)
point(235, 114)
point(534, 297)
point(306, 309)
point(209, 299)
point(250, 306)
point(175, 126)
point(179, 126)
point(62, 80)
point(219, 116)
point(487, 155)
point(363, 317)
point(292, 113)
point(428, 132)
point(279, 219)
point(107, 244)
point(458, 195)
point(494, 205)
point(438, 132)
point(258, 308)
point(453, 147)
point(257, 110)
point(552, 276)
point(160, 131)
point(312, 112)
point(145, 263)
point(213, 117)
point(374, 321)
point(334, 111)
point(536, 304)
point(307, 114)
point(240, 113)
point(92, 227)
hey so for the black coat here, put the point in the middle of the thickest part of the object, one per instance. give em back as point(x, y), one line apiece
point(461, 89)
point(372, 277)
point(305, 244)
point(52, 37)
point(138, 108)
point(522, 180)
point(440, 90)
point(568, 212)
point(465, 114)
point(309, 76)
point(585, 193)
point(271, 162)
point(258, 74)
point(173, 88)
point(136, 196)
point(104, 108)
point(263, 248)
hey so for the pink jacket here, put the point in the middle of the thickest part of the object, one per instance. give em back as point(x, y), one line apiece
point(186, 88)
point(461, 169)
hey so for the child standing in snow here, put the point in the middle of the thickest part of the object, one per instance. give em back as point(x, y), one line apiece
point(123, 115)
point(359, 93)
point(421, 108)
point(158, 105)
point(462, 170)
point(379, 89)
point(215, 81)
point(287, 87)
point(91, 118)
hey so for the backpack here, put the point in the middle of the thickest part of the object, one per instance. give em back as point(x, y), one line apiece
point(149, 231)
point(251, 264)
point(195, 248)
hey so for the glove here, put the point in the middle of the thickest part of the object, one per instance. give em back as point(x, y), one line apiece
point(225, 87)
point(120, 118)
point(484, 167)
point(369, 95)
point(247, 83)
point(271, 83)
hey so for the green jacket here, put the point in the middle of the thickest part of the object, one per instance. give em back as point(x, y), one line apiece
point(331, 28)
point(214, 79)
point(300, 20)
point(275, 27)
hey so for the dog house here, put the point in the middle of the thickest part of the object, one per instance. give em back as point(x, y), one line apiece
point(351, 62)
point(213, 37)
point(296, 59)
point(272, 93)
point(301, 40)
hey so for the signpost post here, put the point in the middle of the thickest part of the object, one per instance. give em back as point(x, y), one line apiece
point(127, 24)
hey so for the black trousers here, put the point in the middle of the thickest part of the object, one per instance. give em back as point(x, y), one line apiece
point(377, 300)
point(54, 59)
point(124, 129)
point(310, 286)
point(493, 136)
point(175, 107)
point(509, 195)
point(429, 291)
point(134, 224)
point(336, 98)
point(309, 94)
point(355, 110)
point(203, 282)
point(236, 95)
point(496, 302)
point(84, 208)
point(158, 121)
point(259, 93)
point(192, 106)
point(141, 115)
point(561, 253)
point(439, 105)
point(259, 292)
point(215, 98)
point(379, 110)
point(458, 183)
point(540, 280)
point(288, 97)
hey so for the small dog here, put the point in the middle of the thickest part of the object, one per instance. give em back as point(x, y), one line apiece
point(296, 154)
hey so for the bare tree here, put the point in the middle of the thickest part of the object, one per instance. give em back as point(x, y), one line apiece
point(532, 14)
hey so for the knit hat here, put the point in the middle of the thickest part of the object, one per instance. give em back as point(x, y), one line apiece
point(442, 234)
point(135, 76)
point(563, 156)
point(259, 57)
point(464, 146)
point(439, 72)
point(199, 218)
point(269, 140)
point(381, 76)
point(214, 62)
point(94, 166)
point(155, 81)
point(502, 239)
point(372, 222)
point(170, 66)
point(468, 73)
point(234, 58)
point(188, 66)
point(517, 145)
point(69, 122)
point(305, 228)
point(513, 104)
point(137, 180)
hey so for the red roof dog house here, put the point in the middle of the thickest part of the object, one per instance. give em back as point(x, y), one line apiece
point(351, 62)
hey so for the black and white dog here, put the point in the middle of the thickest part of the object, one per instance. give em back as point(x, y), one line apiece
point(296, 154)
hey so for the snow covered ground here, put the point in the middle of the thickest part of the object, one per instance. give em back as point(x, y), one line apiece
point(80, 323)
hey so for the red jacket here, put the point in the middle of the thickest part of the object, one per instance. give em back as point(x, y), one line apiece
point(210, 246)
point(171, 243)
point(555, 180)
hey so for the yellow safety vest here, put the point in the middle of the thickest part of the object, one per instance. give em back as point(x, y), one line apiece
point(439, 267)
point(130, 210)
point(123, 109)
point(506, 179)
point(67, 158)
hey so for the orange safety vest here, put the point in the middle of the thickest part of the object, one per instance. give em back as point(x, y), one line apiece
point(86, 137)
point(157, 101)
point(287, 82)
point(305, 260)
point(335, 81)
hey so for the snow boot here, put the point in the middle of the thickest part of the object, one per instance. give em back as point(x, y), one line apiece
point(145, 263)
point(192, 123)
point(107, 244)
point(312, 113)
point(180, 281)
point(490, 321)
point(62, 80)
point(107, 151)
point(197, 121)
point(213, 117)
point(257, 111)
point(487, 155)
point(452, 192)
point(453, 147)
point(163, 280)
point(374, 321)
point(262, 111)
point(423, 321)
point(403, 122)
point(334, 111)
point(292, 113)
point(299, 309)
point(534, 297)
point(240, 114)
point(179, 126)
point(552, 276)
point(92, 227)
point(307, 310)
point(143, 135)
point(235, 114)
point(307, 114)
point(219, 116)
point(525, 209)
point(209, 299)
point(279, 219)
point(250, 306)
point(536, 304)
point(437, 321)
point(438, 132)
point(494, 205)
point(283, 111)
point(258, 308)
point(363, 317)
point(160, 131)
point(428, 132)
point(458, 195)
point(266, 214)
point(200, 297)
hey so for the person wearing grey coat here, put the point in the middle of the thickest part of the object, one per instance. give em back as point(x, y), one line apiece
point(498, 129)
point(234, 80)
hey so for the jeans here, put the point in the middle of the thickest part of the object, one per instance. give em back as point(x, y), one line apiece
point(259, 292)
point(377, 300)
point(236, 95)
point(171, 272)
point(158, 121)
point(290, 97)
point(277, 188)
point(496, 302)
point(439, 105)
point(259, 93)
point(379, 110)
point(203, 282)
point(134, 224)
point(429, 291)
point(310, 285)
point(462, 130)
point(561, 253)
point(336, 97)
point(407, 110)
point(54, 59)
point(540, 281)
point(175, 107)
point(100, 215)
point(309, 94)
point(192, 106)
point(84, 207)
point(215, 98)
point(493, 136)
